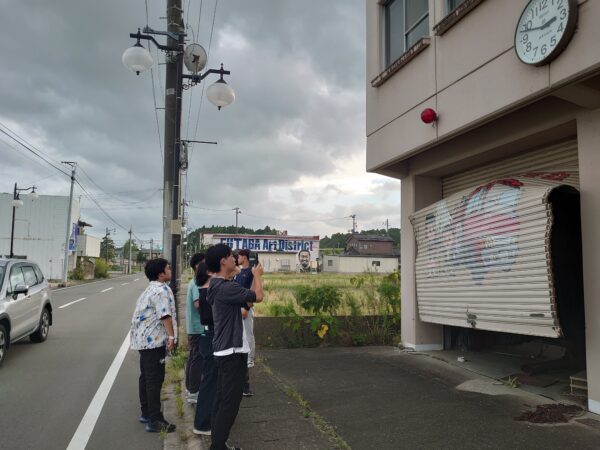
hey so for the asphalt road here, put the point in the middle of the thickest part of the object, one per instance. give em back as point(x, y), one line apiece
point(46, 389)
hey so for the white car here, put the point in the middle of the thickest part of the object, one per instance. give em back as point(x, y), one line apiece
point(25, 308)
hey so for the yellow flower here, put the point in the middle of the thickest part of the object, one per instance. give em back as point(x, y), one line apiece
point(323, 331)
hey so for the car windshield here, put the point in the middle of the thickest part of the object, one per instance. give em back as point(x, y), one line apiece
point(1, 275)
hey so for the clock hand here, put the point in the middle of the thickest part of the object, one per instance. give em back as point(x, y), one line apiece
point(545, 25)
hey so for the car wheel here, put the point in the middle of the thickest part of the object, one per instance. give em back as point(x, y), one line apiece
point(41, 334)
point(4, 339)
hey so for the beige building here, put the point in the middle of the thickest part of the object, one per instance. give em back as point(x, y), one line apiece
point(359, 263)
point(500, 189)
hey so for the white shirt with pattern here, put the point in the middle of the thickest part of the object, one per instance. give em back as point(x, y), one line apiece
point(155, 303)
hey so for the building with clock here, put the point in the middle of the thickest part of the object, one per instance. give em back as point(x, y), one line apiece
point(488, 112)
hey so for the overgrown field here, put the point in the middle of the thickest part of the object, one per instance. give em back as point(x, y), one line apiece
point(360, 294)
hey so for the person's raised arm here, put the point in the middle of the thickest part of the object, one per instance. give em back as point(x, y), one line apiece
point(257, 285)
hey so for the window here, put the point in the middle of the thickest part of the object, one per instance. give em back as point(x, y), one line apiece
point(376, 263)
point(38, 273)
point(453, 4)
point(29, 274)
point(16, 277)
point(405, 22)
point(330, 263)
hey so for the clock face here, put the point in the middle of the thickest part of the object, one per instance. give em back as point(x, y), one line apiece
point(544, 30)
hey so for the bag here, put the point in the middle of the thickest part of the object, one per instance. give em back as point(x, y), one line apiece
point(206, 316)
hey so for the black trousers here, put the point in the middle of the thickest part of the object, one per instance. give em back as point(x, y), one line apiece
point(195, 363)
point(152, 375)
point(230, 382)
point(208, 385)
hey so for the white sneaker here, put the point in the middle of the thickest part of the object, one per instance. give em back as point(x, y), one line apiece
point(192, 398)
point(203, 432)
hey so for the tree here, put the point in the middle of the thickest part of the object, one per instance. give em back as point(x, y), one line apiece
point(141, 258)
point(134, 249)
point(107, 248)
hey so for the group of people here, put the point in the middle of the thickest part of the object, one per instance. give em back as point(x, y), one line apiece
point(219, 323)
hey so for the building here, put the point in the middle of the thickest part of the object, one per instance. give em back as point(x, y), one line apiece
point(348, 263)
point(280, 253)
point(488, 113)
point(369, 244)
point(40, 231)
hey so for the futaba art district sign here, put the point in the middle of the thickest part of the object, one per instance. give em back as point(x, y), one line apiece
point(291, 244)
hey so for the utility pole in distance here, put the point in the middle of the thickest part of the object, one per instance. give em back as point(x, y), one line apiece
point(353, 223)
point(151, 242)
point(130, 245)
point(237, 211)
point(73, 166)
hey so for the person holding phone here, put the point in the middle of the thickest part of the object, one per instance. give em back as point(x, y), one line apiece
point(245, 279)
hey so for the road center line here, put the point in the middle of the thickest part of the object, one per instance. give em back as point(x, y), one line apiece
point(124, 284)
point(88, 422)
point(137, 279)
point(72, 303)
point(107, 289)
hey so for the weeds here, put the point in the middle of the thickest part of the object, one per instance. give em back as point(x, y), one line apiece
point(179, 405)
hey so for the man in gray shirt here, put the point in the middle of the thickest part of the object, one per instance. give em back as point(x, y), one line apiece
point(226, 297)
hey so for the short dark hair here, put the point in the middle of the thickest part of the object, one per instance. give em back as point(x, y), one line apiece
point(244, 252)
point(214, 255)
point(201, 274)
point(155, 267)
point(196, 259)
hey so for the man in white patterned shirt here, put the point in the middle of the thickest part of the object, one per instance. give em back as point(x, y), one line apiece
point(153, 333)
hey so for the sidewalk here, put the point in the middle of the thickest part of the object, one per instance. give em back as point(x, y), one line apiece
point(377, 398)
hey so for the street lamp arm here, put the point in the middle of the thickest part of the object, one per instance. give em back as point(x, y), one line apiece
point(171, 34)
point(139, 36)
point(197, 78)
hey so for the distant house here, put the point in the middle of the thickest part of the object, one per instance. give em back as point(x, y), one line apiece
point(364, 253)
point(369, 244)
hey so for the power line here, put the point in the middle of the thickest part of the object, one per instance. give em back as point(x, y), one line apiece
point(22, 142)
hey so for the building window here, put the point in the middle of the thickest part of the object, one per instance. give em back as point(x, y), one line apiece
point(453, 4)
point(376, 263)
point(329, 262)
point(405, 22)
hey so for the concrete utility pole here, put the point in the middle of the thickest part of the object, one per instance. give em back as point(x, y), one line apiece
point(173, 88)
point(69, 224)
point(353, 223)
point(151, 242)
point(237, 211)
point(130, 245)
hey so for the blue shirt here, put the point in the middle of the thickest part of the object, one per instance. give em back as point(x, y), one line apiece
point(192, 315)
point(245, 277)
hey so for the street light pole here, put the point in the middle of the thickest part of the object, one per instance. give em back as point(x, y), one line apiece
point(16, 203)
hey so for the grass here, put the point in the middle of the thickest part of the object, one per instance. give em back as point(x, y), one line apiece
point(280, 287)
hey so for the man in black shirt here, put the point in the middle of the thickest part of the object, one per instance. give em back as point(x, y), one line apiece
point(230, 349)
point(244, 279)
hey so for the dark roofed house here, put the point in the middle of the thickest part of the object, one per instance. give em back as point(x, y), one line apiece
point(369, 244)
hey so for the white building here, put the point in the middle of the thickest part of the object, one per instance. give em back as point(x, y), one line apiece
point(359, 263)
point(40, 230)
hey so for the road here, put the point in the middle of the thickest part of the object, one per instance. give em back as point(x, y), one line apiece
point(46, 389)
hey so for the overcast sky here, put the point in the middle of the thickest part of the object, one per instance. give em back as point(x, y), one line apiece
point(291, 149)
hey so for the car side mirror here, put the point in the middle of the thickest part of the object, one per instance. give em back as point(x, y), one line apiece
point(20, 289)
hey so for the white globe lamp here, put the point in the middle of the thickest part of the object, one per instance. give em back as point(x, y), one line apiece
point(137, 58)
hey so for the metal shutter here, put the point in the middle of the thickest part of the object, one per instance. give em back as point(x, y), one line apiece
point(554, 158)
point(483, 253)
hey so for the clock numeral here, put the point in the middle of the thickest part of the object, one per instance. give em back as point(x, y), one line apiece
point(563, 13)
point(535, 49)
point(544, 49)
point(553, 41)
point(560, 3)
point(528, 47)
point(561, 27)
point(525, 38)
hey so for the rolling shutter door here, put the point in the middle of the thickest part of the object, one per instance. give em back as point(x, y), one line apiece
point(554, 158)
point(483, 252)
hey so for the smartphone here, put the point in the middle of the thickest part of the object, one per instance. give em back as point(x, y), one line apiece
point(253, 258)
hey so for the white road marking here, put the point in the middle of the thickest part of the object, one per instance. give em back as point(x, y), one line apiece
point(72, 303)
point(88, 422)
point(124, 284)
point(137, 279)
point(107, 289)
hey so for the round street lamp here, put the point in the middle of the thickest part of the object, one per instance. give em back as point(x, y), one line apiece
point(137, 58)
point(220, 93)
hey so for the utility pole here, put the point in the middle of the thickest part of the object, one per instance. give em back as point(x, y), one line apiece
point(171, 174)
point(237, 211)
point(130, 245)
point(151, 242)
point(353, 223)
point(73, 166)
point(387, 225)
